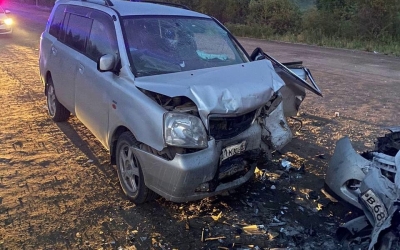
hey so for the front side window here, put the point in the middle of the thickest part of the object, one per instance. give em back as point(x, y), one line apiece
point(102, 38)
point(160, 44)
point(77, 32)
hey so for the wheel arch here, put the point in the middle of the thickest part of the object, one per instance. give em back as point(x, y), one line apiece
point(113, 142)
point(46, 81)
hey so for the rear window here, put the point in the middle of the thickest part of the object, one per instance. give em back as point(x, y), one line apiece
point(56, 23)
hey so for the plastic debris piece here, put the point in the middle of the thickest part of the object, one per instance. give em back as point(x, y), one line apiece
point(254, 229)
point(215, 238)
point(216, 218)
point(275, 219)
point(286, 164)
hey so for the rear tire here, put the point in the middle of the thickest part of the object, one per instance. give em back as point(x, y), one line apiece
point(130, 172)
point(55, 109)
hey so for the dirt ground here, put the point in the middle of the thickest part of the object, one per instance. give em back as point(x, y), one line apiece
point(59, 191)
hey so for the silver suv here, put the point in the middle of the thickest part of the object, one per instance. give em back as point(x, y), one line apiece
point(184, 111)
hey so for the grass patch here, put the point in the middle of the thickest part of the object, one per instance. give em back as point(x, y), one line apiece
point(388, 46)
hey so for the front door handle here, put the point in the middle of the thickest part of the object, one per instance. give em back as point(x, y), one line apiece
point(53, 50)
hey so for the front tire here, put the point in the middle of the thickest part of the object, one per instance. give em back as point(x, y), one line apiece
point(130, 171)
point(55, 109)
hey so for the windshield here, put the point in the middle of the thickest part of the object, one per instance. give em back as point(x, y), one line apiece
point(161, 45)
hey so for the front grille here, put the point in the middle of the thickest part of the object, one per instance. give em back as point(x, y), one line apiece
point(227, 127)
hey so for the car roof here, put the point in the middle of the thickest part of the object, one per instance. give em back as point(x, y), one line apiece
point(128, 8)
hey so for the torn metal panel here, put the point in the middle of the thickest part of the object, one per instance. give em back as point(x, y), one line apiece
point(235, 89)
point(275, 129)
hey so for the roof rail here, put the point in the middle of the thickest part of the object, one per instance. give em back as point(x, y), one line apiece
point(164, 3)
point(107, 3)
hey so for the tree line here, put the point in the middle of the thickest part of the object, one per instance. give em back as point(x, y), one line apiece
point(367, 19)
point(346, 23)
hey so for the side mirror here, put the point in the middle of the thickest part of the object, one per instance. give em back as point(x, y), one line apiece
point(7, 11)
point(106, 63)
point(258, 54)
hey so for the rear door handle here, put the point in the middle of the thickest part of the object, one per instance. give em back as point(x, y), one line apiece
point(81, 68)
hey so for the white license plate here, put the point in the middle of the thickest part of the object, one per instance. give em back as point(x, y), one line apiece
point(375, 206)
point(232, 150)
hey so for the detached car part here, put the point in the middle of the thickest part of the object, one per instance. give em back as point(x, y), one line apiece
point(371, 183)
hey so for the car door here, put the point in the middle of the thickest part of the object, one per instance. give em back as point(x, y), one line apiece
point(93, 87)
point(57, 58)
point(66, 52)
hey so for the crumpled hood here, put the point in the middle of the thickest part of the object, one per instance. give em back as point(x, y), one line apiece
point(233, 89)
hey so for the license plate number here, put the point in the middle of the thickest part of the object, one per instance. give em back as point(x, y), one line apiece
point(232, 150)
point(375, 206)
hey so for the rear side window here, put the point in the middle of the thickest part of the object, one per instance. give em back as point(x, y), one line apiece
point(77, 32)
point(58, 18)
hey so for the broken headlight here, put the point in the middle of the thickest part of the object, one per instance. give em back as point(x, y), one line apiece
point(184, 130)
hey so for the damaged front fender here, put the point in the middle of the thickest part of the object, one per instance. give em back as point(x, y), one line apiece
point(276, 132)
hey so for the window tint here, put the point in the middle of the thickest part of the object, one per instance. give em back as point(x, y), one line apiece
point(57, 21)
point(77, 32)
point(102, 39)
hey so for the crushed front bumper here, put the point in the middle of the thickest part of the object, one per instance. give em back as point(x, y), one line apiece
point(179, 180)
